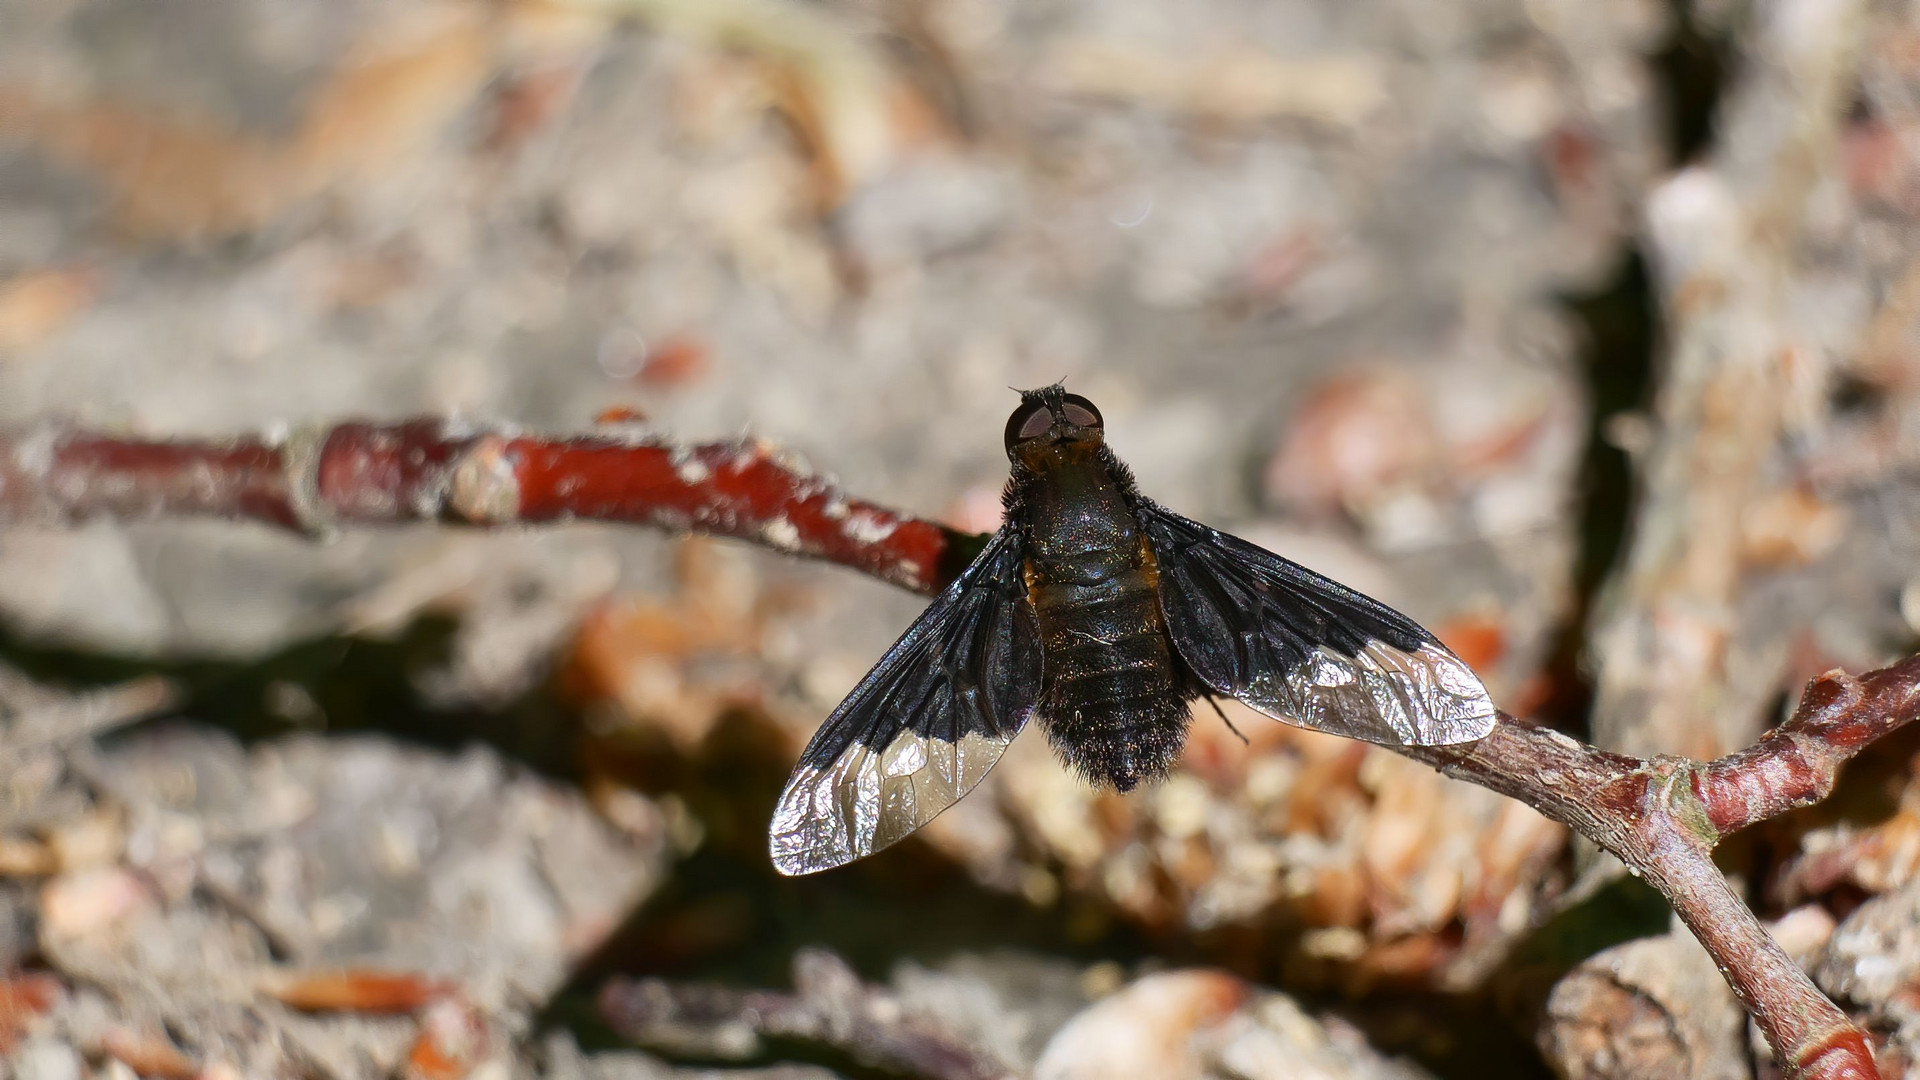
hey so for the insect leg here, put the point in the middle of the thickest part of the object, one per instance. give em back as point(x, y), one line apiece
point(1215, 702)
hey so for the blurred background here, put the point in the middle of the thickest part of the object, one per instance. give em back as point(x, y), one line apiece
point(1584, 333)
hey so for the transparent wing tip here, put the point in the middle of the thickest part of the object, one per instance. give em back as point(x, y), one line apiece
point(804, 836)
point(1460, 709)
point(867, 800)
point(1381, 694)
point(797, 864)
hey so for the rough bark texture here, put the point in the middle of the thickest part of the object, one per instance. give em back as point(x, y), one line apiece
point(1653, 1007)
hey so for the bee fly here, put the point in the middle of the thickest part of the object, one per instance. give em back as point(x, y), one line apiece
point(1105, 616)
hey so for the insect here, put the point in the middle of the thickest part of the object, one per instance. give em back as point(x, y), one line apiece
point(1104, 615)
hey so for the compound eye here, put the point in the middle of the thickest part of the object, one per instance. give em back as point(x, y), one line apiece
point(1028, 422)
point(1081, 413)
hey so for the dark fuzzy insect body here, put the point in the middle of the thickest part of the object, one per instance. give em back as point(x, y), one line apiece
point(1103, 615)
point(1114, 700)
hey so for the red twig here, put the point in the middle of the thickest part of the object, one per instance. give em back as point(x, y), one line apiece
point(1661, 816)
point(1795, 763)
point(429, 470)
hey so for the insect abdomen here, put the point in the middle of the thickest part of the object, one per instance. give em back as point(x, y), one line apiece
point(1113, 705)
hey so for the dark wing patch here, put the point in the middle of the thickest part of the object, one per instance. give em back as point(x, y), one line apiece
point(923, 727)
point(1306, 649)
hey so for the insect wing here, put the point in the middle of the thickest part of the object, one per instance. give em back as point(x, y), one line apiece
point(1305, 649)
point(923, 727)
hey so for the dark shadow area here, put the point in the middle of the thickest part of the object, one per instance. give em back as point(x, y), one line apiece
point(1693, 70)
point(726, 915)
point(1622, 910)
point(1622, 331)
point(1620, 324)
point(334, 685)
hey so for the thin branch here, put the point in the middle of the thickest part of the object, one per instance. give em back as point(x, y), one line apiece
point(317, 480)
point(830, 1005)
point(81, 716)
point(1661, 816)
point(1795, 764)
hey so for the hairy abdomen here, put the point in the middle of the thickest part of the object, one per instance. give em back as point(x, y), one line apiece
point(1114, 705)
